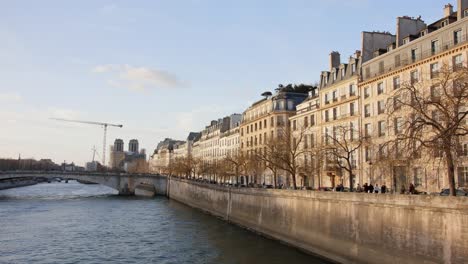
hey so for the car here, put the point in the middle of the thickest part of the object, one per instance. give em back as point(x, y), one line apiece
point(460, 192)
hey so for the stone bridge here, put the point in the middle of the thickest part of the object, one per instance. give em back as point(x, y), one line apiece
point(125, 183)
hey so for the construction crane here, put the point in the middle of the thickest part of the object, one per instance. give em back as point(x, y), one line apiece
point(105, 125)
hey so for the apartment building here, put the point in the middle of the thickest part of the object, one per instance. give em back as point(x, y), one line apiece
point(333, 106)
point(414, 55)
point(265, 119)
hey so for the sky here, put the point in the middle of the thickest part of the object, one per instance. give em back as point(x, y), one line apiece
point(163, 68)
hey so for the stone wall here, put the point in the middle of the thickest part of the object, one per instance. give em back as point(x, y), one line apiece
point(344, 227)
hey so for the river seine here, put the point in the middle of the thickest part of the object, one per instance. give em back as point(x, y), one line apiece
point(77, 223)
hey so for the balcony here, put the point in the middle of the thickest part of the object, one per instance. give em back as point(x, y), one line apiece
point(407, 60)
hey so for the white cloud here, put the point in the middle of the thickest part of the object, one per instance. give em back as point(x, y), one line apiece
point(10, 97)
point(138, 78)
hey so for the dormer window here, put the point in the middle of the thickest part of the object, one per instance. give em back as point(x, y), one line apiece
point(406, 40)
point(353, 67)
point(343, 72)
point(334, 76)
point(465, 13)
point(444, 23)
point(423, 33)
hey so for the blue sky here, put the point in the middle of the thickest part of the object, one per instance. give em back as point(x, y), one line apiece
point(162, 68)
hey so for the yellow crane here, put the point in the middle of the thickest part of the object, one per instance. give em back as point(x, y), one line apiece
point(105, 125)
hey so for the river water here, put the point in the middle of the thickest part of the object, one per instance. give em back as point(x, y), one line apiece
point(77, 223)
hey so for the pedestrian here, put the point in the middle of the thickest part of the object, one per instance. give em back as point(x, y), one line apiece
point(383, 188)
point(358, 188)
point(366, 187)
point(412, 189)
point(371, 188)
point(403, 189)
point(376, 188)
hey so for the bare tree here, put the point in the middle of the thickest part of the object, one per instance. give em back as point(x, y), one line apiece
point(435, 115)
point(342, 146)
point(289, 150)
point(268, 156)
point(238, 161)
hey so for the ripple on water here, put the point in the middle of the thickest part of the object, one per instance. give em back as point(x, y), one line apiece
point(75, 223)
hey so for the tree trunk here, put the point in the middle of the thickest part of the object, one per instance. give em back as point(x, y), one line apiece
point(450, 169)
point(275, 182)
point(293, 175)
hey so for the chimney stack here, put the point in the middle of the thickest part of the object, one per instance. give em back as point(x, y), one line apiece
point(448, 10)
point(335, 60)
point(357, 54)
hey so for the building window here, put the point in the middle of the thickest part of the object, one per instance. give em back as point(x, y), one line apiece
point(435, 93)
point(256, 126)
point(294, 125)
point(381, 127)
point(434, 70)
point(367, 130)
point(381, 67)
point(366, 92)
point(457, 61)
point(397, 60)
point(312, 120)
point(380, 107)
point(434, 47)
point(335, 113)
point(457, 37)
point(414, 55)
point(367, 110)
point(248, 129)
point(351, 109)
point(380, 88)
point(351, 131)
point(352, 90)
point(306, 121)
point(326, 116)
point(396, 82)
point(398, 125)
point(462, 176)
point(343, 72)
point(272, 122)
point(464, 150)
point(335, 96)
point(312, 140)
point(260, 125)
point(306, 145)
point(367, 155)
point(414, 77)
point(326, 99)
point(418, 176)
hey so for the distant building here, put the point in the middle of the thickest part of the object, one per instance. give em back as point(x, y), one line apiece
point(125, 160)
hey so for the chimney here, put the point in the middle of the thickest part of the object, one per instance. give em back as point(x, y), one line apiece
point(448, 10)
point(357, 54)
point(334, 60)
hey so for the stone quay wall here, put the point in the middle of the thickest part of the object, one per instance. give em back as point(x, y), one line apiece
point(342, 227)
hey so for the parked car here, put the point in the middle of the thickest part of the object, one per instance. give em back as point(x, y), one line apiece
point(460, 192)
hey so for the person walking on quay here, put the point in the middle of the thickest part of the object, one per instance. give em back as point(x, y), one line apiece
point(371, 188)
point(358, 188)
point(376, 188)
point(412, 189)
point(403, 189)
point(366, 187)
point(383, 188)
